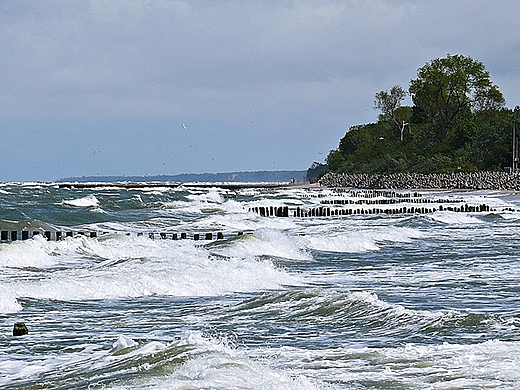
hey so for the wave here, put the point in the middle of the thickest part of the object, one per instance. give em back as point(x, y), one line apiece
point(265, 242)
point(87, 201)
point(488, 364)
point(36, 253)
point(363, 314)
point(209, 196)
point(194, 360)
point(451, 218)
point(352, 239)
point(129, 267)
point(8, 301)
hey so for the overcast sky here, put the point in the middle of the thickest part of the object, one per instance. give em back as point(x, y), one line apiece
point(135, 87)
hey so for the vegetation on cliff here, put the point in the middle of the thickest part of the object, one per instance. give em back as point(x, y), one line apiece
point(458, 122)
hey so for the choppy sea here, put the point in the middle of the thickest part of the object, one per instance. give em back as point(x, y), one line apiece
point(379, 301)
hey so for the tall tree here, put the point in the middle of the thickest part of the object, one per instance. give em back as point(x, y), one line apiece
point(389, 102)
point(448, 88)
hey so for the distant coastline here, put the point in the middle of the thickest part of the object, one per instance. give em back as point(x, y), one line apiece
point(242, 177)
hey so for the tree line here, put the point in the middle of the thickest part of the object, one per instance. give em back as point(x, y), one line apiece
point(458, 122)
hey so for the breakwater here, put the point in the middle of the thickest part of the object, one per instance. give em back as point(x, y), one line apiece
point(459, 180)
point(300, 212)
point(345, 201)
point(15, 235)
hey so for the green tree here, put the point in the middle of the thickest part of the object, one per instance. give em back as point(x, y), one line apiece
point(449, 89)
point(458, 122)
point(389, 104)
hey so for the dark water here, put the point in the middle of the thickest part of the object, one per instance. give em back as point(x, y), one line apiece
point(422, 301)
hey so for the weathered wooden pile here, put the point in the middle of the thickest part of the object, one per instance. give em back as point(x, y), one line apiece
point(350, 202)
point(15, 235)
point(408, 181)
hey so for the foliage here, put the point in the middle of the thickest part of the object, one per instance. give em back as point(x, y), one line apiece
point(315, 170)
point(458, 122)
point(390, 103)
point(449, 89)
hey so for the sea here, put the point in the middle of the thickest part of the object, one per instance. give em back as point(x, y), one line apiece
point(379, 300)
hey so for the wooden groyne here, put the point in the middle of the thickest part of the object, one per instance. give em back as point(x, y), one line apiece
point(16, 235)
point(285, 211)
point(371, 201)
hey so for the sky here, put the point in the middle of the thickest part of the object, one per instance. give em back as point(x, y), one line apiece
point(144, 87)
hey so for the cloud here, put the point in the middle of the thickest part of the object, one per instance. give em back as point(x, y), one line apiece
point(227, 63)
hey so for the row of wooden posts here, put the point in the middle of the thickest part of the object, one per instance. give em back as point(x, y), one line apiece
point(373, 194)
point(388, 201)
point(283, 211)
point(15, 235)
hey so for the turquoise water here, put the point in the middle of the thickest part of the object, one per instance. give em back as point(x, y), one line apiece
point(395, 301)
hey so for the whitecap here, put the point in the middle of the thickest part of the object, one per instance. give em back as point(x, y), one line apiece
point(87, 201)
point(211, 196)
point(8, 302)
point(266, 242)
point(342, 243)
point(212, 363)
point(451, 217)
point(123, 342)
point(37, 253)
point(137, 267)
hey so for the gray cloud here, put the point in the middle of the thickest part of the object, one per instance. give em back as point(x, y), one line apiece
point(227, 64)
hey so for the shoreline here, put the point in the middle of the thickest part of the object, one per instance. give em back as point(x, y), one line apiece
point(228, 186)
point(487, 180)
point(498, 181)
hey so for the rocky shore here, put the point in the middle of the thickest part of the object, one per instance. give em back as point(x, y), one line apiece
point(460, 180)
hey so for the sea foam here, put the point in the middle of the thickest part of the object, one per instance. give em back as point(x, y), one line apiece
point(87, 201)
point(128, 267)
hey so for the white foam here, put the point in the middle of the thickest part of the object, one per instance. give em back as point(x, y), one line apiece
point(353, 239)
point(123, 342)
point(346, 243)
point(126, 267)
point(451, 217)
point(8, 302)
point(266, 242)
point(214, 364)
point(87, 201)
point(37, 253)
point(491, 364)
point(210, 196)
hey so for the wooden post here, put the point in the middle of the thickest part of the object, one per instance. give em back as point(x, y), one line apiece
point(20, 329)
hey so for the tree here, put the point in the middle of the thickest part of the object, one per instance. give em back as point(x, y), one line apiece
point(447, 89)
point(389, 102)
